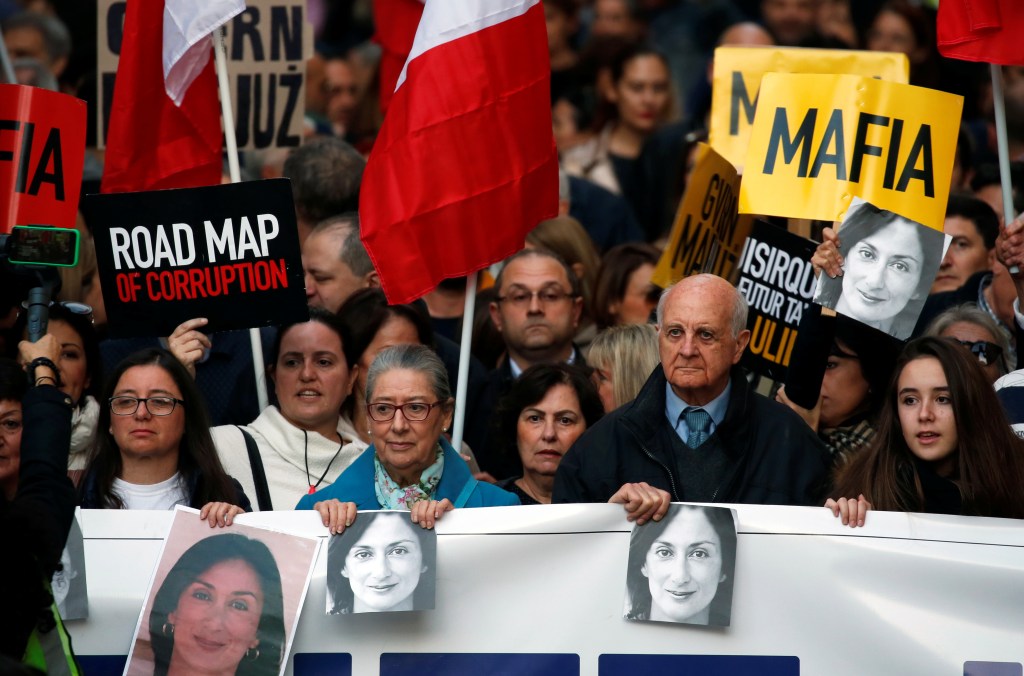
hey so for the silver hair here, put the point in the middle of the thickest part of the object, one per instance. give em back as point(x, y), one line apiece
point(414, 358)
point(739, 309)
point(972, 314)
point(352, 251)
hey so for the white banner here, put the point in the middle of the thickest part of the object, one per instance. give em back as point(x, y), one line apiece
point(539, 590)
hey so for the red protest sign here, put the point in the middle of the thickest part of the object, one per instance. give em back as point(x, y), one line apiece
point(42, 150)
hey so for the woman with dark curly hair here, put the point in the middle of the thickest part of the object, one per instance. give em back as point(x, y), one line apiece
point(544, 413)
point(220, 610)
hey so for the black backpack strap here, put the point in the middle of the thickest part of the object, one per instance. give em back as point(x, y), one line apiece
point(259, 476)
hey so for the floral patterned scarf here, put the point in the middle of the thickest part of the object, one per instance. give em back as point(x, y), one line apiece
point(391, 496)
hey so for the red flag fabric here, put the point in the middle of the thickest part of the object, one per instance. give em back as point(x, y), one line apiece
point(465, 163)
point(153, 144)
point(395, 22)
point(982, 30)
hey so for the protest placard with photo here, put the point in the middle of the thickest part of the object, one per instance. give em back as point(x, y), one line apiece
point(708, 232)
point(70, 590)
point(229, 253)
point(382, 563)
point(682, 568)
point(818, 141)
point(221, 598)
point(42, 150)
point(889, 264)
point(777, 279)
point(267, 48)
point(737, 81)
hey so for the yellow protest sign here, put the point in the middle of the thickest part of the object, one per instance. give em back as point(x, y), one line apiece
point(708, 233)
point(821, 140)
point(737, 79)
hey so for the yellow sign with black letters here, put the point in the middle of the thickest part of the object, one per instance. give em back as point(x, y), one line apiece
point(708, 233)
point(820, 140)
point(737, 80)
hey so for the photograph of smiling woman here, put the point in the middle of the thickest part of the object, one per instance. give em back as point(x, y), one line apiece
point(381, 563)
point(889, 264)
point(681, 569)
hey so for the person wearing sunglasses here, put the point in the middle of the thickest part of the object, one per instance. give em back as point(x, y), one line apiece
point(410, 465)
point(153, 449)
point(975, 329)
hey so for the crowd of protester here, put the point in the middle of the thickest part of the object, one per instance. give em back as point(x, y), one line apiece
point(587, 382)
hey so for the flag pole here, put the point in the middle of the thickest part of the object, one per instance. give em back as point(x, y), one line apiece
point(462, 381)
point(5, 63)
point(1003, 146)
point(221, 63)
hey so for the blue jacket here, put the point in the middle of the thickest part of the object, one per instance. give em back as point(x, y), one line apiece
point(356, 484)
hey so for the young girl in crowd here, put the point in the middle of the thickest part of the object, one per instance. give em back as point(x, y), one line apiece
point(943, 445)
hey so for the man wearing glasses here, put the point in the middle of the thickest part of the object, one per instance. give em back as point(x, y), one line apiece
point(537, 311)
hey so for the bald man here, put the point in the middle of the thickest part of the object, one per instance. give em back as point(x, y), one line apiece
point(696, 432)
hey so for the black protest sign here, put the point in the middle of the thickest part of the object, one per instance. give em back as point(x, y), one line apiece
point(229, 253)
point(777, 279)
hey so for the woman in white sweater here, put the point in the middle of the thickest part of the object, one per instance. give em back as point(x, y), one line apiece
point(304, 443)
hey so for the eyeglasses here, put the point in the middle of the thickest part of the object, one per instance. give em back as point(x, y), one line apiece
point(522, 298)
point(155, 405)
point(71, 306)
point(414, 410)
point(986, 352)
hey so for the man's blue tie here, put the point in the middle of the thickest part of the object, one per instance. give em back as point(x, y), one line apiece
point(699, 423)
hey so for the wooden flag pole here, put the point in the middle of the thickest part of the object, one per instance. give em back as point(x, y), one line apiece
point(462, 381)
point(221, 63)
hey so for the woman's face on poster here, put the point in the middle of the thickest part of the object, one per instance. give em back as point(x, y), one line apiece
point(684, 568)
point(217, 618)
point(384, 565)
point(882, 272)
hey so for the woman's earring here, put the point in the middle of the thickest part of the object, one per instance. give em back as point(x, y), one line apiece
point(167, 629)
point(252, 654)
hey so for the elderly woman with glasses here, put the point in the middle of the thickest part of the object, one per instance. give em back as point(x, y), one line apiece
point(410, 465)
point(154, 449)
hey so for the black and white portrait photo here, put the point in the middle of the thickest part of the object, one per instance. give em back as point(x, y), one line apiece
point(70, 592)
point(681, 568)
point(889, 264)
point(381, 563)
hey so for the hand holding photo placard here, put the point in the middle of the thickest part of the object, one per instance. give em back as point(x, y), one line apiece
point(889, 264)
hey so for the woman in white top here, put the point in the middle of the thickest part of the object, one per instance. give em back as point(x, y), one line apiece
point(153, 449)
point(304, 443)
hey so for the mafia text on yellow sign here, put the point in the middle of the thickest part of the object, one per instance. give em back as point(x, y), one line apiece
point(737, 79)
point(708, 233)
point(821, 140)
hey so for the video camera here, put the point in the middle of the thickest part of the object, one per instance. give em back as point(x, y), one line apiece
point(29, 258)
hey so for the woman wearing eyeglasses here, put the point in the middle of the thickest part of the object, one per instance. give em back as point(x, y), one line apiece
point(410, 465)
point(154, 449)
point(975, 329)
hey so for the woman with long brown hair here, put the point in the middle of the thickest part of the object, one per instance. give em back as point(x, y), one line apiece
point(943, 444)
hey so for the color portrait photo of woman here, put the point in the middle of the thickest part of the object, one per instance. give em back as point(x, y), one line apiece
point(222, 604)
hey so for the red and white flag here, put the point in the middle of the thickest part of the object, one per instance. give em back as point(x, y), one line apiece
point(465, 163)
point(165, 129)
point(982, 30)
point(395, 22)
